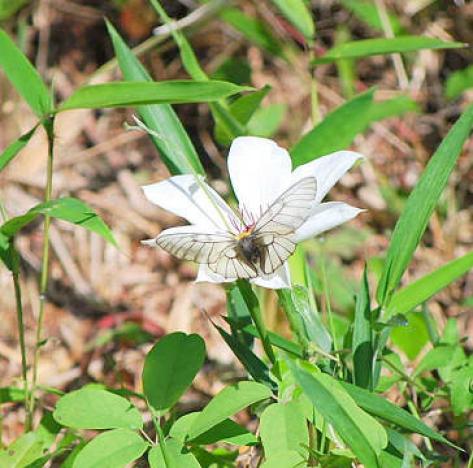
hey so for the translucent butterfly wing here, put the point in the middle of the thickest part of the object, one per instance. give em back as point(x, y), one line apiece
point(290, 210)
point(197, 247)
point(231, 265)
point(273, 231)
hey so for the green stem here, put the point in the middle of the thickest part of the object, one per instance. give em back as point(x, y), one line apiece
point(43, 285)
point(162, 442)
point(21, 337)
point(328, 307)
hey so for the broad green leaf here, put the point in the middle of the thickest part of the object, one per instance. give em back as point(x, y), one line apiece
point(283, 459)
point(266, 121)
point(420, 205)
point(283, 427)
point(437, 358)
point(226, 403)
point(23, 76)
point(23, 451)
point(170, 368)
point(14, 148)
point(234, 69)
point(253, 29)
point(365, 436)
point(458, 82)
point(336, 132)
point(111, 449)
point(136, 93)
point(227, 431)
point(179, 456)
point(67, 209)
point(412, 338)
point(424, 288)
point(175, 148)
point(90, 408)
point(460, 390)
point(366, 11)
point(384, 409)
point(298, 14)
point(383, 46)
point(362, 337)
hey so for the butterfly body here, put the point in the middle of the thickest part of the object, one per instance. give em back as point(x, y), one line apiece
point(260, 248)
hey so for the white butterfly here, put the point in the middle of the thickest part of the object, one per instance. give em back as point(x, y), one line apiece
point(260, 248)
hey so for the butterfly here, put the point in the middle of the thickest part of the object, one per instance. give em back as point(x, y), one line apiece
point(259, 248)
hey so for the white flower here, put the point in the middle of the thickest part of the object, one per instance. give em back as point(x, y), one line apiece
point(260, 171)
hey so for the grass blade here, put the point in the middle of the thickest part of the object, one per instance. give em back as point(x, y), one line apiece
point(14, 148)
point(336, 131)
point(135, 93)
point(420, 205)
point(176, 149)
point(24, 76)
point(384, 46)
point(421, 290)
point(298, 14)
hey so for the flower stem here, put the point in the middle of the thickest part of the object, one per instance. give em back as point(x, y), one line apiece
point(162, 442)
point(328, 307)
point(43, 284)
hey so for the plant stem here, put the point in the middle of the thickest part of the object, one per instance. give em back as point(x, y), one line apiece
point(328, 307)
point(43, 285)
point(162, 443)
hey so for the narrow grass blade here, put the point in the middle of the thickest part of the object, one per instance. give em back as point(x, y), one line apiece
point(298, 14)
point(14, 148)
point(421, 290)
point(384, 46)
point(23, 76)
point(362, 337)
point(336, 132)
point(175, 148)
point(135, 93)
point(420, 205)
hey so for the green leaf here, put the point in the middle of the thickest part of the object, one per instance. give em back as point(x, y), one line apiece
point(11, 394)
point(437, 358)
point(23, 76)
point(9, 7)
point(14, 148)
point(179, 456)
point(227, 431)
point(250, 361)
point(461, 390)
point(23, 451)
point(424, 288)
point(383, 408)
point(283, 459)
point(266, 121)
point(175, 148)
point(367, 12)
point(91, 408)
point(362, 337)
point(412, 338)
point(383, 46)
point(336, 132)
point(298, 14)
point(361, 432)
point(8, 254)
point(420, 205)
point(111, 449)
point(226, 403)
point(135, 93)
point(67, 209)
point(253, 29)
point(283, 427)
point(392, 107)
point(170, 368)
point(458, 82)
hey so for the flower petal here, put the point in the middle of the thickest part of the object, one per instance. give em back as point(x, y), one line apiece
point(259, 170)
point(205, 274)
point(327, 170)
point(324, 217)
point(184, 197)
point(281, 278)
